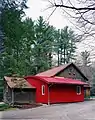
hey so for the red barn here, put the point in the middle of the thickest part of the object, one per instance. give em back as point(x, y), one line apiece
point(57, 89)
point(68, 71)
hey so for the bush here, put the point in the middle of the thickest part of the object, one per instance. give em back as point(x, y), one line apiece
point(1, 89)
point(4, 107)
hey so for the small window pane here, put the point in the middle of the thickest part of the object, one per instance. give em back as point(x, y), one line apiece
point(69, 73)
point(78, 90)
point(43, 89)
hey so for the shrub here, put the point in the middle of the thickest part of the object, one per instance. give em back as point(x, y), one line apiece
point(4, 107)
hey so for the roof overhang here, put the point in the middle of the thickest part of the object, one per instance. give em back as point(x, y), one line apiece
point(57, 80)
point(16, 82)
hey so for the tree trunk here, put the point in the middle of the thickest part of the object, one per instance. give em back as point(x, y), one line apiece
point(58, 58)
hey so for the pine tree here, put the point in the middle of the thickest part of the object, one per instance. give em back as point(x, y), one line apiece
point(65, 45)
point(11, 23)
point(43, 45)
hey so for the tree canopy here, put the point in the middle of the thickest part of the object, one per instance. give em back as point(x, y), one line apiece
point(30, 45)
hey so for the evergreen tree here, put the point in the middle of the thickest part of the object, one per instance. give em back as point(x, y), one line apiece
point(10, 20)
point(65, 45)
point(43, 45)
point(11, 16)
point(12, 27)
point(28, 45)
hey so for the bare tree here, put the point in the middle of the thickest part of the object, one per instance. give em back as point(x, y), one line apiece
point(85, 55)
point(83, 11)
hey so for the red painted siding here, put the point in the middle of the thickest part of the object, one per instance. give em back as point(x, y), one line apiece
point(65, 93)
point(57, 92)
point(38, 84)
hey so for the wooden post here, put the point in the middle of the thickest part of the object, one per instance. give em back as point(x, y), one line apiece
point(49, 93)
point(13, 96)
point(48, 96)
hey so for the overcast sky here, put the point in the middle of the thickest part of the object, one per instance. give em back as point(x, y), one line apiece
point(37, 8)
point(58, 19)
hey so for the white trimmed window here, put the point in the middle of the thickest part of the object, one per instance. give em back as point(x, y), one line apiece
point(43, 89)
point(78, 90)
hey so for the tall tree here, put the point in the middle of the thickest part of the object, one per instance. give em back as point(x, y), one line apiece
point(43, 45)
point(28, 45)
point(11, 23)
point(85, 58)
point(66, 45)
point(9, 4)
point(10, 26)
point(18, 4)
point(57, 45)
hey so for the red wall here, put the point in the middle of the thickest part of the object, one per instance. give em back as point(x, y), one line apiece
point(58, 93)
point(65, 93)
point(38, 84)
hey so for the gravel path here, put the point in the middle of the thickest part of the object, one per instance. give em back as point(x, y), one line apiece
point(72, 111)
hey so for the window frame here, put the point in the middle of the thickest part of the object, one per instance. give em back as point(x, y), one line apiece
point(78, 90)
point(43, 89)
point(70, 73)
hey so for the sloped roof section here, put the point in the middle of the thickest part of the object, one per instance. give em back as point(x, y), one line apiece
point(57, 80)
point(15, 82)
point(54, 71)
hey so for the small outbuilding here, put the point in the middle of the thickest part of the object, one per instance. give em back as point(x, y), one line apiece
point(18, 91)
point(57, 89)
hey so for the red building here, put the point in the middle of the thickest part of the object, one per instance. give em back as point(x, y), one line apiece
point(57, 89)
point(68, 71)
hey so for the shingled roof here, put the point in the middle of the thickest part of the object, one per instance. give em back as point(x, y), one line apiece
point(16, 82)
point(54, 71)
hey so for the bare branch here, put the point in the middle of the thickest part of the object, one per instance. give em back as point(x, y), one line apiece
point(62, 2)
point(51, 14)
point(83, 14)
point(70, 7)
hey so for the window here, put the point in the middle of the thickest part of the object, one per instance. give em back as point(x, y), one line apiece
point(74, 74)
point(69, 73)
point(70, 69)
point(78, 90)
point(43, 89)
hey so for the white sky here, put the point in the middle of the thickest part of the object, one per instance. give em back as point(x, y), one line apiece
point(58, 20)
point(37, 8)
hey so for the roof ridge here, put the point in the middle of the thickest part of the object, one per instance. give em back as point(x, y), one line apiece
point(53, 71)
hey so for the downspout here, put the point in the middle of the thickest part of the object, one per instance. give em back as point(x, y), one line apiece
point(49, 93)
